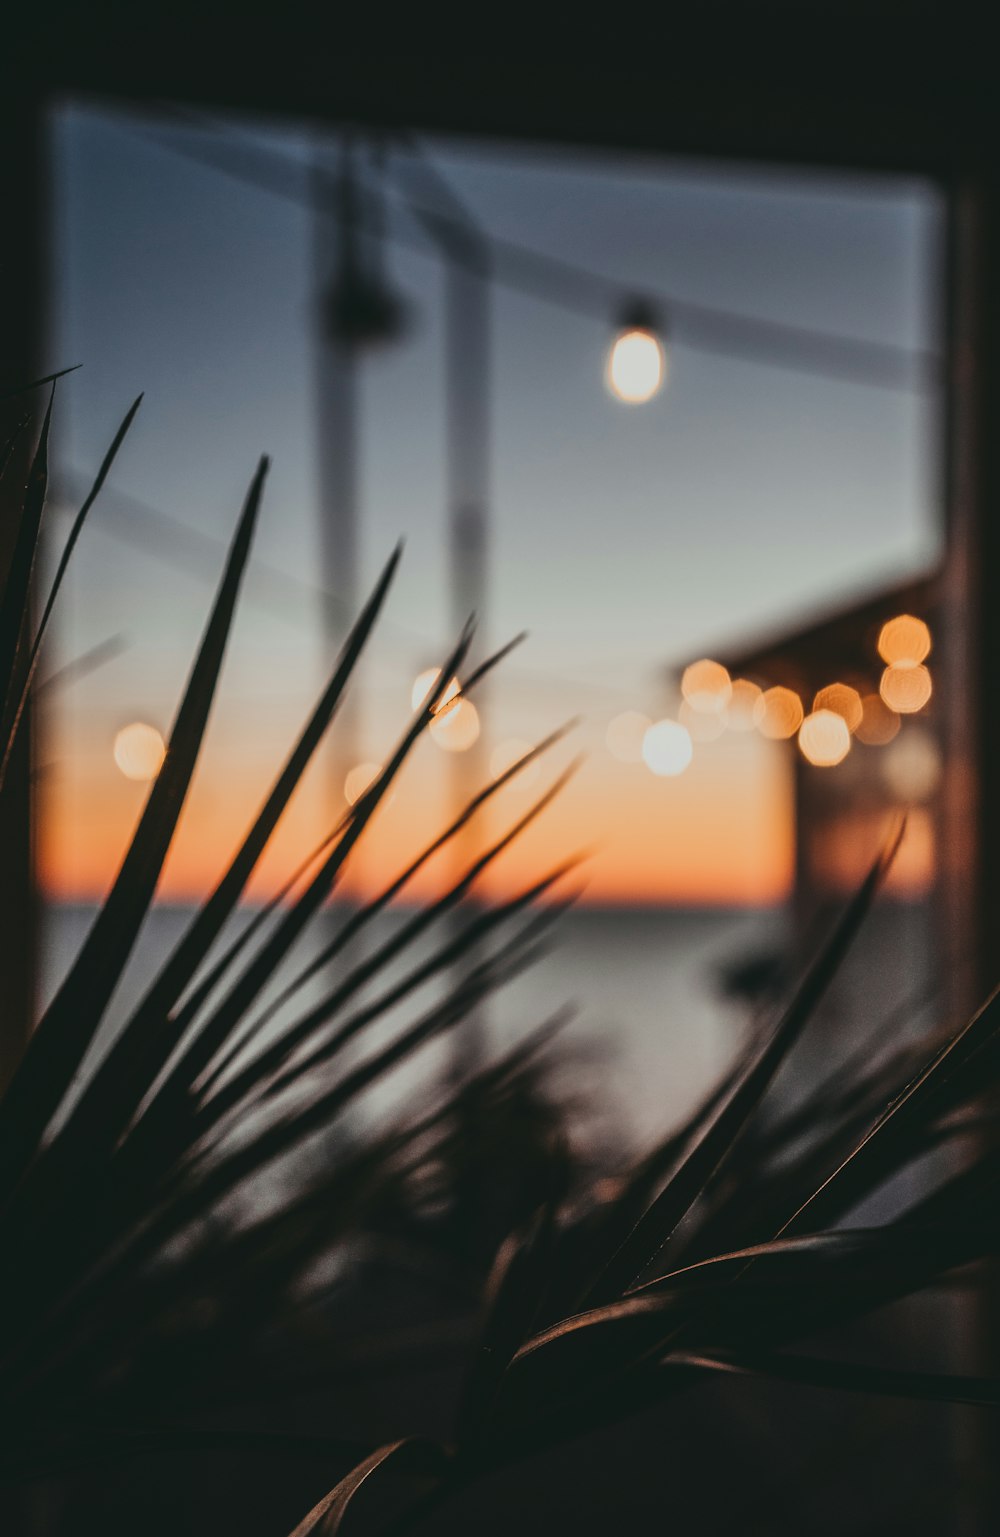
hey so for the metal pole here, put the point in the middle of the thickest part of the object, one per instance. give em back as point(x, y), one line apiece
point(467, 254)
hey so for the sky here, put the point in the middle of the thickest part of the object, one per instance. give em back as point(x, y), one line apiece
point(625, 539)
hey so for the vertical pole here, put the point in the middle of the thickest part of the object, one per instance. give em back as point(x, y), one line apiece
point(970, 658)
point(336, 439)
point(467, 412)
point(467, 362)
point(21, 324)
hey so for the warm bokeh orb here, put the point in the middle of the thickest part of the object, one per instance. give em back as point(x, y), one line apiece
point(700, 727)
point(636, 367)
point(824, 739)
point(667, 749)
point(423, 684)
point(842, 700)
point(904, 641)
point(782, 714)
point(139, 751)
point(707, 687)
point(912, 766)
point(879, 724)
point(505, 754)
point(745, 709)
point(456, 726)
point(358, 779)
point(624, 735)
point(905, 689)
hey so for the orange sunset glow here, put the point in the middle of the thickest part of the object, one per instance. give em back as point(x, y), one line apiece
point(719, 834)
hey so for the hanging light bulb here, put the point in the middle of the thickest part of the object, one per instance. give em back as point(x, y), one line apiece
point(360, 306)
point(637, 361)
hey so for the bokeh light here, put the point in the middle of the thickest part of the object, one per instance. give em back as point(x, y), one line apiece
point(904, 641)
point(707, 687)
point(139, 751)
point(879, 724)
point(358, 779)
point(624, 735)
point(636, 367)
point(745, 709)
point(667, 748)
point(423, 684)
point(700, 727)
point(905, 689)
point(824, 738)
point(506, 753)
point(782, 714)
point(456, 727)
point(912, 766)
point(843, 701)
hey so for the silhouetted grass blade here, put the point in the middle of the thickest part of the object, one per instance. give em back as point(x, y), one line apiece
point(702, 1158)
point(15, 604)
point(848, 1376)
point(327, 1517)
point(25, 682)
point(69, 1023)
point(25, 389)
point(143, 1046)
point(884, 1147)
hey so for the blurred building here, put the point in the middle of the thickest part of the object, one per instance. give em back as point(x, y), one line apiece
point(850, 784)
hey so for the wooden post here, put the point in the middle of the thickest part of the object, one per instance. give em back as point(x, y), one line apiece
point(968, 670)
point(21, 142)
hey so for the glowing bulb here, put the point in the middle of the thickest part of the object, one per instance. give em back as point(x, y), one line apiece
point(358, 780)
point(139, 751)
point(879, 724)
point(707, 687)
point(637, 366)
point(905, 689)
point(667, 748)
point(745, 709)
point(912, 766)
point(904, 641)
point(625, 734)
point(423, 684)
point(824, 738)
point(700, 727)
point(842, 700)
point(456, 727)
point(782, 715)
point(506, 754)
